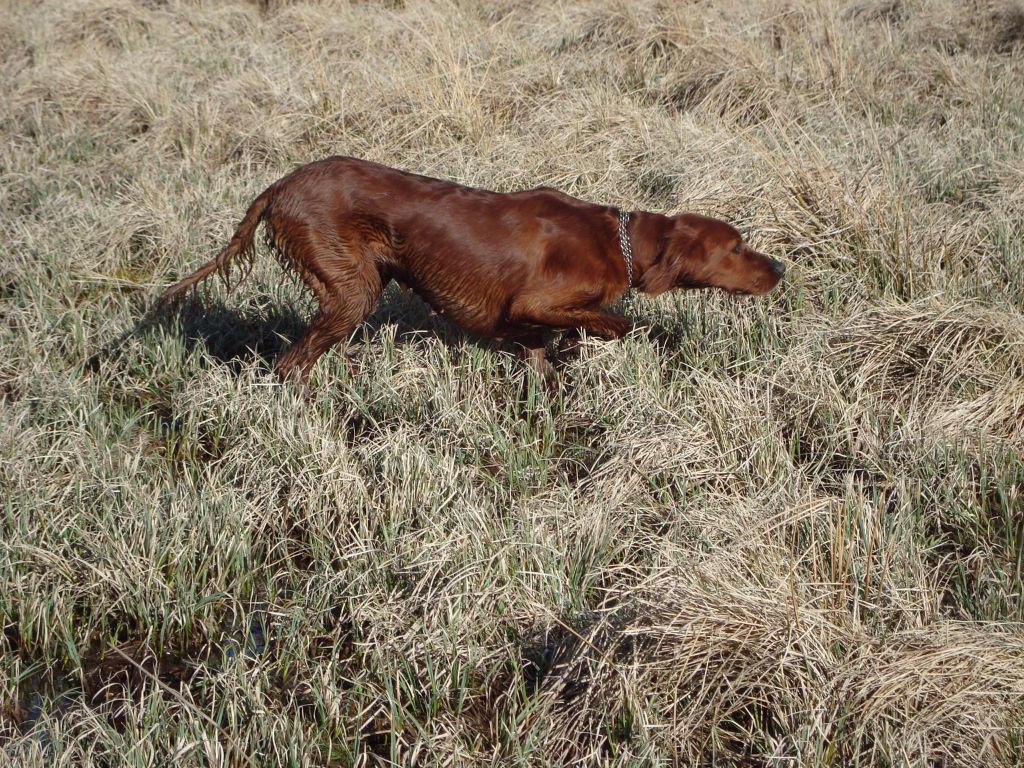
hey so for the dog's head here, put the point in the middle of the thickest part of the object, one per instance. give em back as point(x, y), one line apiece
point(701, 252)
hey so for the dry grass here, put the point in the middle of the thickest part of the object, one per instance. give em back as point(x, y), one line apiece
point(785, 531)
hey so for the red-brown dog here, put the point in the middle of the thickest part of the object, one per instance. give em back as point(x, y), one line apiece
point(500, 265)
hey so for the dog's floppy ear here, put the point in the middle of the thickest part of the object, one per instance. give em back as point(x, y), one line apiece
point(679, 249)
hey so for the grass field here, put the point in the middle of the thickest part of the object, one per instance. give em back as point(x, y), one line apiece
point(780, 531)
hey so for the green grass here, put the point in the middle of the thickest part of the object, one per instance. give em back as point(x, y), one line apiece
point(780, 531)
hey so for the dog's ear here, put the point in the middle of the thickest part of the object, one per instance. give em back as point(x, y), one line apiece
point(680, 249)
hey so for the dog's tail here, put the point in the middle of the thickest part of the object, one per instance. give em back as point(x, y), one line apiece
point(241, 245)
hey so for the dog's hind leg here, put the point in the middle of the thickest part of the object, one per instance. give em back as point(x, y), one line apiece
point(334, 323)
point(324, 332)
point(348, 287)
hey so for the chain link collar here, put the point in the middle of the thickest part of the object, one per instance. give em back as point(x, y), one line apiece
point(627, 249)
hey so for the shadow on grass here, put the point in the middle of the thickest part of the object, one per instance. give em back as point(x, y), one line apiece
point(114, 675)
point(264, 328)
point(237, 336)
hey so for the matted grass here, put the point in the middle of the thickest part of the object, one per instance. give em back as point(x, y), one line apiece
point(781, 531)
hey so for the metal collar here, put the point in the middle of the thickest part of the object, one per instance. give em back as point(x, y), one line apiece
point(626, 247)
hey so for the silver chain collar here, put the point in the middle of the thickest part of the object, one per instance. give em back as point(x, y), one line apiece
point(627, 248)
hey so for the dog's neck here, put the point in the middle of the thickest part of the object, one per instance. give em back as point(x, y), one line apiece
point(647, 232)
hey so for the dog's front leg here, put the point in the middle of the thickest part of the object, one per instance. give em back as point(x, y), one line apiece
point(594, 322)
point(535, 355)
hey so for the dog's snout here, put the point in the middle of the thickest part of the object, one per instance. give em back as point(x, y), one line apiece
point(778, 268)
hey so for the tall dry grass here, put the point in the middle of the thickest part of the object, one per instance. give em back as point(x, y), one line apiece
point(785, 531)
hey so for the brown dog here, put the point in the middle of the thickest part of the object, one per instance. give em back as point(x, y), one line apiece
point(501, 265)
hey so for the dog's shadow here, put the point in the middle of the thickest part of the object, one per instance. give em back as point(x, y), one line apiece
point(263, 329)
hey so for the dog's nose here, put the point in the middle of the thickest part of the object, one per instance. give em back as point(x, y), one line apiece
point(778, 268)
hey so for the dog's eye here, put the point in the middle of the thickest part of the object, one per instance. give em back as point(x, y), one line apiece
point(738, 248)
